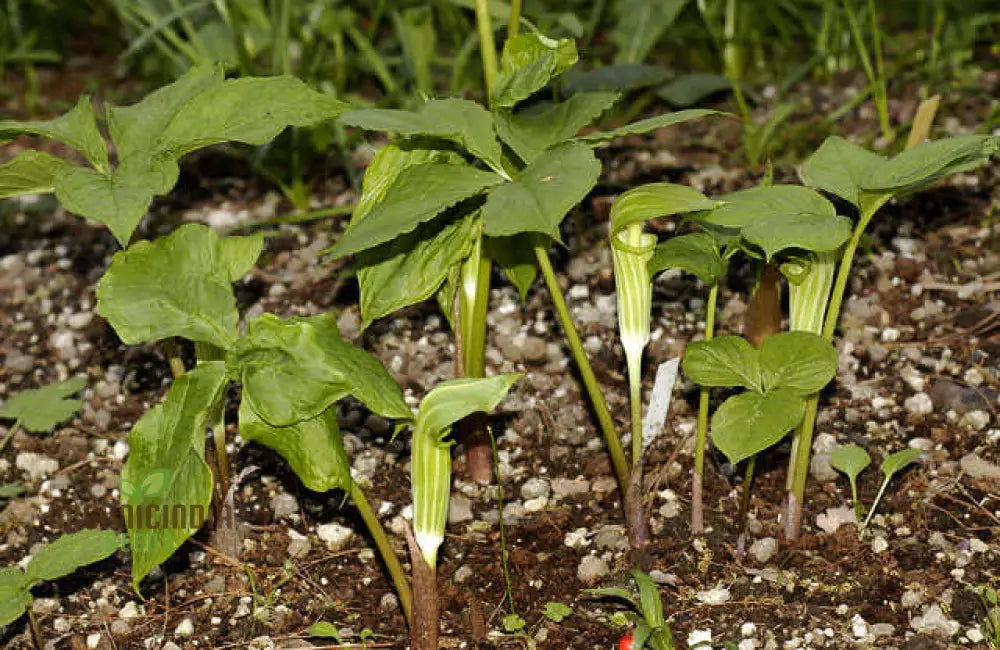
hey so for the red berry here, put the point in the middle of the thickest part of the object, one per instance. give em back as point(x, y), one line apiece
point(625, 643)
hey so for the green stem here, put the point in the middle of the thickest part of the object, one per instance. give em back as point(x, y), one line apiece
point(221, 455)
point(487, 47)
point(871, 513)
point(174, 357)
point(10, 434)
point(586, 372)
point(503, 533)
point(473, 305)
point(514, 22)
point(858, 512)
point(635, 402)
point(701, 433)
point(385, 549)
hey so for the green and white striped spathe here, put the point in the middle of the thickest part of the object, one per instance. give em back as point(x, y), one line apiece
point(809, 292)
point(631, 250)
point(430, 464)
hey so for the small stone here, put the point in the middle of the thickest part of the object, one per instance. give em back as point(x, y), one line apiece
point(388, 603)
point(974, 466)
point(933, 621)
point(973, 634)
point(977, 419)
point(879, 544)
point(185, 628)
point(17, 361)
point(834, 518)
point(129, 611)
point(592, 569)
point(284, 505)
point(700, 639)
point(335, 536)
point(533, 349)
point(859, 627)
point(714, 596)
point(882, 630)
point(576, 538)
point(36, 465)
point(170, 645)
point(61, 625)
point(534, 488)
point(536, 505)
point(299, 546)
point(611, 538)
point(80, 320)
point(748, 629)
point(459, 509)
point(605, 484)
point(764, 549)
point(920, 404)
point(93, 640)
point(463, 573)
point(562, 487)
point(821, 469)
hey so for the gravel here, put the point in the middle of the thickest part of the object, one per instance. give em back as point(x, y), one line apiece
point(459, 509)
point(978, 468)
point(36, 465)
point(592, 569)
point(335, 536)
point(762, 550)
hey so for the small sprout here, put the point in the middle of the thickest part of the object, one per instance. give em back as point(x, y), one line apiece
point(325, 630)
point(512, 623)
point(990, 624)
point(851, 460)
point(556, 612)
point(651, 628)
point(892, 464)
point(39, 410)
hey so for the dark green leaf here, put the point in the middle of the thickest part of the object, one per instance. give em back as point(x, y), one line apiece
point(811, 232)
point(542, 193)
point(528, 63)
point(15, 598)
point(750, 422)
point(70, 552)
point(927, 162)
point(647, 125)
point(41, 409)
point(76, 128)
point(697, 254)
point(640, 24)
point(800, 362)
point(516, 256)
point(649, 598)
point(723, 361)
point(178, 285)
point(897, 461)
point(741, 209)
point(30, 172)
point(531, 131)
point(689, 89)
point(850, 459)
point(652, 200)
point(840, 167)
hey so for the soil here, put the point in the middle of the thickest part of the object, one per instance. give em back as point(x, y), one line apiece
point(924, 318)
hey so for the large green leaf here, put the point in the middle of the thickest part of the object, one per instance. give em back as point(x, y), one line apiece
point(723, 361)
point(178, 285)
point(840, 167)
point(748, 423)
point(652, 200)
point(929, 161)
point(458, 120)
point(168, 443)
point(15, 597)
point(417, 195)
point(41, 409)
point(76, 128)
point(542, 193)
point(696, 253)
point(531, 131)
point(293, 369)
point(70, 552)
point(29, 172)
point(740, 209)
point(527, 64)
point(801, 362)
point(640, 24)
point(811, 232)
point(313, 448)
point(647, 125)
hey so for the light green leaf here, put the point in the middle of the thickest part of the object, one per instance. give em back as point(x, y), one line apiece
point(417, 195)
point(531, 131)
point(40, 409)
point(696, 253)
point(649, 598)
point(640, 24)
point(689, 89)
point(170, 438)
point(897, 461)
point(415, 26)
point(652, 200)
point(929, 161)
point(811, 232)
point(613, 592)
point(251, 110)
point(527, 64)
point(30, 172)
point(15, 598)
point(178, 285)
point(740, 209)
point(293, 369)
point(458, 120)
point(617, 77)
point(324, 630)
point(542, 193)
point(723, 361)
point(515, 255)
point(850, 459)
point(11, 490)
point(647, 125)
point(70, 552)
point(452, 400)
point(313, 448)
point(513, 623)
point(801, 362)
point(840, 167)
point(76, 128)
point(556, 611)
point(749, 423)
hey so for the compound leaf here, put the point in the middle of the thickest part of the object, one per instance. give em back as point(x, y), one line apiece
point(741, 209)
point(696, 253)
point(929, 161)
point(647, 125)
point(811, 232)
point(15, 597)
point(840, 167)
point(531, 131)
point(527, 64)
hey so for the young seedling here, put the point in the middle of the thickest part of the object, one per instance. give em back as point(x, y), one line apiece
point(852, 460)
point(892, 465)
point(651, 628)
point(56, 560)
point(868, 181)
point(39, 410)
point(990, 625)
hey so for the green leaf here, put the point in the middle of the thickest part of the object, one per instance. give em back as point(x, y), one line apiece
point(652, 200)
point(11, 490)
point(801, 362)
point(294, 369)
point(458, 120)
point(452, 400)
point(40, 409)
point(513, 623)
point(613, 592)
point(748, 423)
point(647, 125)
point(640, 24)
point(170, 438)
point(840, 167)
point(15, 598)
point(313, 448)
point(324, 630)
point(515, 255)
point(696, 253)
point(897, 461)
point(542, 193)
point(689, 89)
point(723, 361)
point(417, 195)
point(531, 131)
point(617, 77)
point(70, 552)
point(811, 232)
point(850, 459)
point(30, 172)
point(649, 599)
point(76, 128)
point(556, 612)
point(527, 64)
point(415, 26)
point(741, 209)
point(930, 161)
point(178, 285)
point(251, 110)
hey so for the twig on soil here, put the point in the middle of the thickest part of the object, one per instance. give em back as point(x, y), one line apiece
point(219, 554)
point(87, 461)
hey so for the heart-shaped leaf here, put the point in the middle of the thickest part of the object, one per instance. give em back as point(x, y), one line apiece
point(850, 459)
point(748, 423)
point(723, 361)
point(811, 232)
point(801, 362)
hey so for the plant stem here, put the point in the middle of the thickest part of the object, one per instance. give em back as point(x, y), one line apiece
point(858, 513)
point(36, 635)
point(504, 563)
point(174, 357)
point(473, 298)
point(635, 402)
point(10, 434)
point(871, 513)
point(701, 435)
point(487, 47)
point(741, 540)
point(385, 549)
point(586, 372)
point(514, 22)
point(221, 455)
